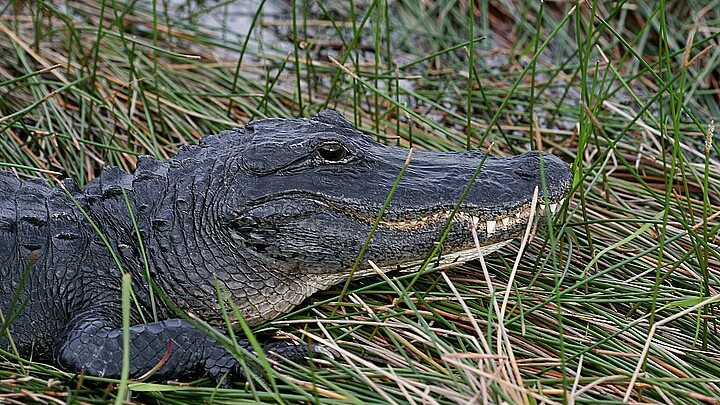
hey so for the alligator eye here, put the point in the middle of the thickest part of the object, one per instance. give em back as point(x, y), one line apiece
point(332, 151)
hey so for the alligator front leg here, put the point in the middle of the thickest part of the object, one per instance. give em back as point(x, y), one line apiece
point(174, 346)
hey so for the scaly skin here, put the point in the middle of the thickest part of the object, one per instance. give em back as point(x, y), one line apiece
point(271, 212)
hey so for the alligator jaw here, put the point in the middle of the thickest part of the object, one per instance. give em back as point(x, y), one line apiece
point(501, 226)
point(302, 236)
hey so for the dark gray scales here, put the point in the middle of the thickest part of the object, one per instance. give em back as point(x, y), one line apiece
point(273, 211)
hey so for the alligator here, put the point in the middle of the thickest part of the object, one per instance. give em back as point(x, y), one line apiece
point(266, 214)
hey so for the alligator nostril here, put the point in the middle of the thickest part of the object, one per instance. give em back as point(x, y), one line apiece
point(529, 166)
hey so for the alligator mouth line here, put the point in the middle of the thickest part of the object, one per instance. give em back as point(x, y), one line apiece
point(490, 225)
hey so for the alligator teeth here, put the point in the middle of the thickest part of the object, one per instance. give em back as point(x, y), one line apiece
point(491, 227)
point(553, 208)
point(475, 220)
point(541, 207)
point(506, 221)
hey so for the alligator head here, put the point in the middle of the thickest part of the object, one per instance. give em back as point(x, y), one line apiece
point(295, 200)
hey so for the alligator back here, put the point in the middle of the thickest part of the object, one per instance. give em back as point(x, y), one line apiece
point(44, 250)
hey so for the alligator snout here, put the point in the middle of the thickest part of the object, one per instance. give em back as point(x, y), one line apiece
point(535, 166)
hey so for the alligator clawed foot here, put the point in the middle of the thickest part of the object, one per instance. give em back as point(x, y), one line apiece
point(226, 369)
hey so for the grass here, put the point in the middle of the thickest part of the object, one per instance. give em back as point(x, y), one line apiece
point(615, 302)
